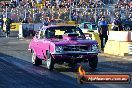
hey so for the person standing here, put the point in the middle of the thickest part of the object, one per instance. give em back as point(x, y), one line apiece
point(1, 25)
point(8, 23)
point(115, 25)
point(103, 32)
point(120, 24)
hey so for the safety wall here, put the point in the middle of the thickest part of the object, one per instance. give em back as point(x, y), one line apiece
point(25, 27)
point(120, 36)
point(14, 29)
point(119, 43)
point(31, 26)
point(37, 26)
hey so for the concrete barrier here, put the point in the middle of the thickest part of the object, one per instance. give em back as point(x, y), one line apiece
point(119, 43)
point(15, 26)
point(14, 29)
point(120, 36)
point(20, 34)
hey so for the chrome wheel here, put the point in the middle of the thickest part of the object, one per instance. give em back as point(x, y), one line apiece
point(33, 58)
point(50, 61)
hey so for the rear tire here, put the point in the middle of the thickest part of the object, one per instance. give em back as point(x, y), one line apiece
point(35, 60)
point(93, 62)
point(49, 62)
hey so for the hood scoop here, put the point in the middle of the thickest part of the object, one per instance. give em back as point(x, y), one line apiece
point(70, 36)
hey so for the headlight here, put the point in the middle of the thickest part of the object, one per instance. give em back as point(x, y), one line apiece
point(58, 48)
point(95, 47)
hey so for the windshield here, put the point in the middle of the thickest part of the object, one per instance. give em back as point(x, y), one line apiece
point(58, 32)
point(94, 27)
point(90, 26)
point(86, 25)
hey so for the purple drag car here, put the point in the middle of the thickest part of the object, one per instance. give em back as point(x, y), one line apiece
point(65, 43)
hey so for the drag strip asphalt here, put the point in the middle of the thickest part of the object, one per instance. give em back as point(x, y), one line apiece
point(15, 52)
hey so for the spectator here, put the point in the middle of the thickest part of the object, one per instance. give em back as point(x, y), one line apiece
point(46, 21)
point(25, 20)
point(61, 8)
point(115, 25)
point(52, 21)
point(120, 24)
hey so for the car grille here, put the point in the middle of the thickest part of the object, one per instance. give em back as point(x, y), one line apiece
point(77, 48)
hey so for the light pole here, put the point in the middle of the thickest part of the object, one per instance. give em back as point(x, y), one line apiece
point(95, 14)
point(70, 11)
point(6, 12)
point(25, 15)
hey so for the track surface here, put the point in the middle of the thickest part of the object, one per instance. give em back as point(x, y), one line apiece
point(17, 71)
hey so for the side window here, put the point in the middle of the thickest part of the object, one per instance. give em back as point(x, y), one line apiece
point(81, 26)
point(37, 34)
point(50, 33)
point(42, 35)
point(89, 26)
point(85, 25)
point(46, 33)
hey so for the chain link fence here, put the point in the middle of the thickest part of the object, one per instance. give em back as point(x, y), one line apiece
point(34, 15)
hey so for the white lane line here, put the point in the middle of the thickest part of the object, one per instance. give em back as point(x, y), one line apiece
point(12, 42)
point(27, 40)
point(127, 59)
point(17, 42)
point(124, 58)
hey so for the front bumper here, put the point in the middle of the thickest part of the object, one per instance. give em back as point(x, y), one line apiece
point(77, 52)
point(76, 56)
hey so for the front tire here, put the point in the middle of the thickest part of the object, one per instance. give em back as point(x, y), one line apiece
point(93, 62)
point(50, 61)
point(35, 60)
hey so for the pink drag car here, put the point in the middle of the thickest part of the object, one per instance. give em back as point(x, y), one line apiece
point(59, 44)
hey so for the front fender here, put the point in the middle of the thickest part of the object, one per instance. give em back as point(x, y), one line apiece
point(52, 47)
